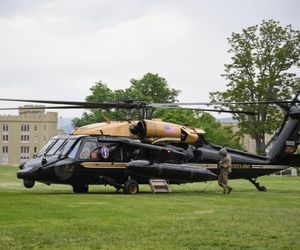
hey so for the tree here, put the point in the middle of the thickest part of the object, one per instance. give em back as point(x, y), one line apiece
point(263, 68)
point(151, 88)
point(101, 93)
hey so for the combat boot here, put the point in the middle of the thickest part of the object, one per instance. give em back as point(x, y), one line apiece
point(229, 190)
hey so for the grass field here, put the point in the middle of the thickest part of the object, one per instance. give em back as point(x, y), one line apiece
point(193, 216)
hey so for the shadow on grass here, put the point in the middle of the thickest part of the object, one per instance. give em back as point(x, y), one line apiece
point(178, 190)
point(120, 193)
point(149, 193)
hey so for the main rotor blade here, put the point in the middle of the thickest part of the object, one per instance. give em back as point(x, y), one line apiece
point(173, 105)
point(82, 107)
point(45, 107)
point(129, 104)
point(105, 105)
point(215, 110)
point(43, 101)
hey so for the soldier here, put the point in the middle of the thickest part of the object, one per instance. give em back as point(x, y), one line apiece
point(225, 169)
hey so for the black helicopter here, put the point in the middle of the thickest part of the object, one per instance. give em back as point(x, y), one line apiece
point(126, 154)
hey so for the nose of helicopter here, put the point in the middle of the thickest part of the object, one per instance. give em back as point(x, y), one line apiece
point(26, 173)
point(31, 169)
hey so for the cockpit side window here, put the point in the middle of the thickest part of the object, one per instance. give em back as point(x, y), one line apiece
point(89, 151)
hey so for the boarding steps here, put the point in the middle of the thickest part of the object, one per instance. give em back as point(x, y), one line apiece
point(159, 186)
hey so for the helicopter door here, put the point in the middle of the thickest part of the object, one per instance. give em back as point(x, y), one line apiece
point(111, 152)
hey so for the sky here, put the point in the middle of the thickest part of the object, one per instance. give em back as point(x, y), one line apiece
point(58, 49)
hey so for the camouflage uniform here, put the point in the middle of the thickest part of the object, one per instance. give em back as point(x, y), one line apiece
point(225, 170)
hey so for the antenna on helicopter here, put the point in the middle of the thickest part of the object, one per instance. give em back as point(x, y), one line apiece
point(128, 114)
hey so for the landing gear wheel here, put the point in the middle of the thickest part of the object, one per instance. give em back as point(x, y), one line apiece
point(256, 184)
point(263, 189)
point(83, 188)
point(28, 183)
point(131, 187)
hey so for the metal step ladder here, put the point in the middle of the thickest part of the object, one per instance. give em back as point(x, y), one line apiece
point(159, 186)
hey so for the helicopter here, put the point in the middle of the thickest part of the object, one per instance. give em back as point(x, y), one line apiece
point(128, 153)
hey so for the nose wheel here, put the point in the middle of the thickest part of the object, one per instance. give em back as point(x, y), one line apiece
point(28, 183)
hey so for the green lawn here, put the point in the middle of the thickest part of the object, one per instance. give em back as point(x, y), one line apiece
point(193, 216)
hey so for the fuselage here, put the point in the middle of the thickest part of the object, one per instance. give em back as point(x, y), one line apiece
point(82, 159)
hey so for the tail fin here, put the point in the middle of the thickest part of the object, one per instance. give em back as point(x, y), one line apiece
point(286, 141)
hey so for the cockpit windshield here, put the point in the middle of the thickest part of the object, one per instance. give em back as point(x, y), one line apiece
point(47, 146)
point(73, 152)
point(54, 149)
point(59, 146)
point(66, 146)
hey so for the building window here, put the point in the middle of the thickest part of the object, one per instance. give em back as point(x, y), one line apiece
point(5, 149)
point(5, 127)
point(24, 150)
point(24, 128)
point(24, 158)
point(5, 138)
point(34, 150)
point(24, 138)
point(5, 155)
point(24, 153)
point(35, 127)
point(25, 133)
